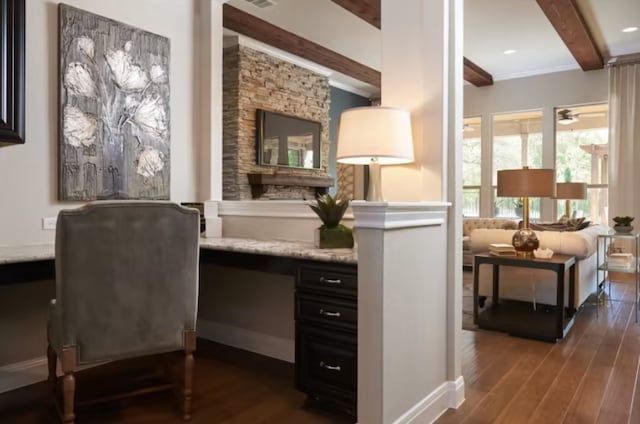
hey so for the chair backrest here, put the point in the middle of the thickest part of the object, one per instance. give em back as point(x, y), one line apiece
point(126, 277)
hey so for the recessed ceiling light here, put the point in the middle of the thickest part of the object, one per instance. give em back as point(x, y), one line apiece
point(510, 51)
point(630, 29)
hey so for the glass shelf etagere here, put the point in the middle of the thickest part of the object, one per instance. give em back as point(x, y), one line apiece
point(603, 250)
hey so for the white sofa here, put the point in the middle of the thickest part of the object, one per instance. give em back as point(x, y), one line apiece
point(470, 224)
point(521, 283)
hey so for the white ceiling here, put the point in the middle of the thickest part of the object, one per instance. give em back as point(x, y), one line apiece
point(491, 27)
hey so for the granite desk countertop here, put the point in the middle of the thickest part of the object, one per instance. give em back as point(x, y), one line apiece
point(292, 249)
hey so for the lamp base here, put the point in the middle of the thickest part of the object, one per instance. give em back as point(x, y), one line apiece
point(374, 194)
point(525, 242)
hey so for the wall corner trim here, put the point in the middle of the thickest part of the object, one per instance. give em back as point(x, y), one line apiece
point(449, 394)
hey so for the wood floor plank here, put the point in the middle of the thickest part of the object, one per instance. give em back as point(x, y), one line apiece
point(634, 416)
point(531, 356)
point(533, 391)
point(486, 353)
point(604, 337)
point(617, 403)
point(586, 403)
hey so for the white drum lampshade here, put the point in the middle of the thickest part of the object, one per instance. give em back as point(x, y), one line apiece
point(375, 136)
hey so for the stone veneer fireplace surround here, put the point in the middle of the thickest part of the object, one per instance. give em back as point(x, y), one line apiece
point(255, 80)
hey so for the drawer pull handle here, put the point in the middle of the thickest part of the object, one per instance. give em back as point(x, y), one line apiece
point(330, 280)
point(330, 367)
point(329, 313)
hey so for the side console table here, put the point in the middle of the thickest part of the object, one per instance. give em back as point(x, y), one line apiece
point(605, 241)
point(520, 318)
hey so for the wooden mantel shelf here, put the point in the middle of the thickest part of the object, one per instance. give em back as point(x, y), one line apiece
point(258, 181)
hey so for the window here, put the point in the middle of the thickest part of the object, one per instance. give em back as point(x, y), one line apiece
point(517, 142)
point(582, 152)
point(471, 166)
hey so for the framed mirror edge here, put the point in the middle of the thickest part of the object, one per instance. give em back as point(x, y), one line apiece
point(12, 107)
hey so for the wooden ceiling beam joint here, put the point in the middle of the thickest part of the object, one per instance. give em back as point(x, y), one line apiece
point(570, 25)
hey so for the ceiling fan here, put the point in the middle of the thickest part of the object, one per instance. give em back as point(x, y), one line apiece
point(566, 117)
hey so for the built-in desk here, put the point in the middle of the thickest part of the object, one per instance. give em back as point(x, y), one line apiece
point(325, 303)
point(35, 262)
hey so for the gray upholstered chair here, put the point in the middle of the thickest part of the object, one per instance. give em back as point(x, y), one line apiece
point(126, 286)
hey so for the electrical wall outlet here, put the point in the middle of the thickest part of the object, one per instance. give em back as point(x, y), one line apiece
point(49, 223)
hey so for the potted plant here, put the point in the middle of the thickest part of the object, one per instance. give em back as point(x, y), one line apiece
point(331, 234)
point(623, 224)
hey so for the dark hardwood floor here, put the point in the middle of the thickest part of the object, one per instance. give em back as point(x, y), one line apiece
point(231, 386)
point(590, 377)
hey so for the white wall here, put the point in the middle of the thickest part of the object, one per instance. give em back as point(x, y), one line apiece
point(28, 185)
point(542, 92)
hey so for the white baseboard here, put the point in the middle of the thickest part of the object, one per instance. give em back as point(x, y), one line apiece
point(264, 344)
point(449, 394)
point(20, 374)
point(456, 393)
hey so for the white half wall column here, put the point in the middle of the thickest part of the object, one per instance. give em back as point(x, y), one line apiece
point(422, 70)
point(402, 313)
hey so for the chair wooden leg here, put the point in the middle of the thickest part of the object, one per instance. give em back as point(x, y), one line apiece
point(189, 348)
point(68, 360)
point(68, 391)
point(188, 384)
point(52, 362)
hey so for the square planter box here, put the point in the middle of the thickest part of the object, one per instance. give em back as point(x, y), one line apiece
point(333, 238)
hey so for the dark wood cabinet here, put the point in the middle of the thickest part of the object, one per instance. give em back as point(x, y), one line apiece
point(327, 335)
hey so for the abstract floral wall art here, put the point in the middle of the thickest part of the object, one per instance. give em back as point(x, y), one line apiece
point(114, 110)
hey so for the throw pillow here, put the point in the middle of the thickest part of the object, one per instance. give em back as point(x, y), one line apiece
point(511, 225)
point(573, 224)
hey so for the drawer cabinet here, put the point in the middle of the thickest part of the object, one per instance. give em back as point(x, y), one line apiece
point(326, 335)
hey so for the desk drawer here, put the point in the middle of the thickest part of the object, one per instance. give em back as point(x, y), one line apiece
point(330, 278)
point(326, 311)
point(326, 361)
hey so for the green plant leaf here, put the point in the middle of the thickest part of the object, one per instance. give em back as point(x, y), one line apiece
point(329, 210)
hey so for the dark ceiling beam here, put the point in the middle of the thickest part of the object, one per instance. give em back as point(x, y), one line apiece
point(567, 20)
point(253, 27)
point(369, 11)
point(475, 74)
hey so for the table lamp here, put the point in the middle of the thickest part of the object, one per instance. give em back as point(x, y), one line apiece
point(526, 183)
point(374, 136)
point(570, 191)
